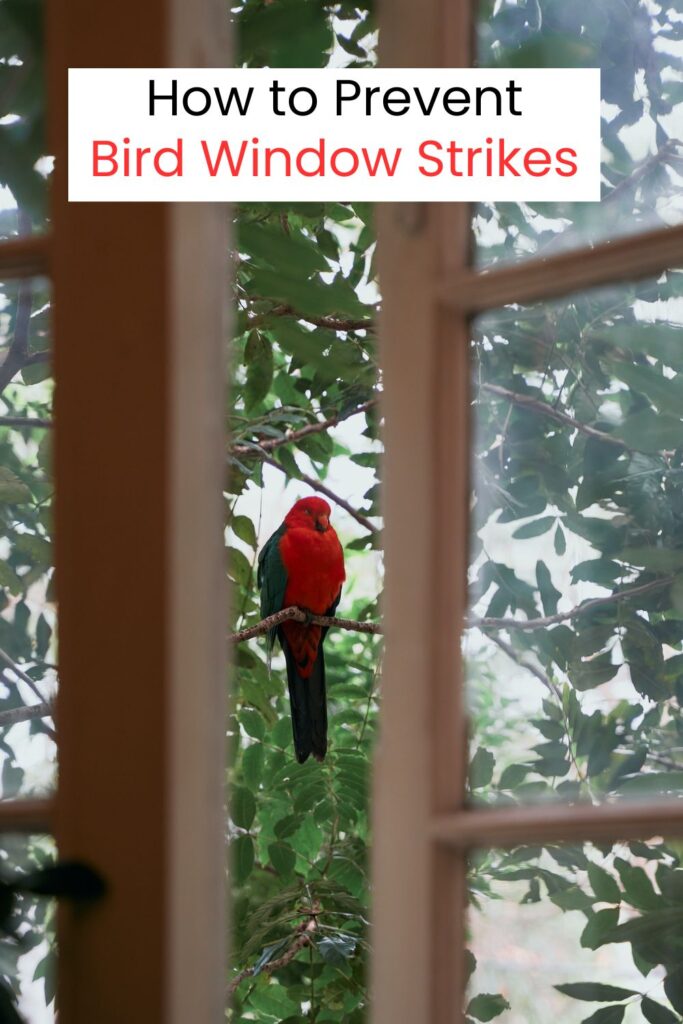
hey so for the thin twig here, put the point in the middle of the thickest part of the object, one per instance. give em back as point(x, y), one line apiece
point(554, 414)
point(24, 714)
point(661, 156)
point(297, 615)
point(25, 421)
point(257, 449)
point(4, 656)
point(523, 663)
point(552, 687)
point(323, 489)
point(573, 613)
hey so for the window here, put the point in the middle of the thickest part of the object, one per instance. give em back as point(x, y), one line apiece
point(138, 294)
point(449, 322)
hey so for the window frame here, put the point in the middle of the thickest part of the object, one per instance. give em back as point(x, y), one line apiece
point(424, 828)
point(141, 576)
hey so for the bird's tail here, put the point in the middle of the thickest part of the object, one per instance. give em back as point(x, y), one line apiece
point(308, 699)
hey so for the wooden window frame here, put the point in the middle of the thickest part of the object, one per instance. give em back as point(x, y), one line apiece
point(423, 826)
point(140, 292)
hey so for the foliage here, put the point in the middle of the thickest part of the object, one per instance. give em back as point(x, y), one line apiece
point(304, 353)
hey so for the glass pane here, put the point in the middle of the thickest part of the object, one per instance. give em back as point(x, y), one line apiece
point(577, 933)
point(27, 608)
point(27, 935)
point(24, 161)
point(574, 647)
point(638, 47)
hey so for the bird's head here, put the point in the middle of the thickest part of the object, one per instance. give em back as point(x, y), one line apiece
point(310, 514)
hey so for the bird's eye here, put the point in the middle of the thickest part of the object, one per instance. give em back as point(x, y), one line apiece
point(307, 511)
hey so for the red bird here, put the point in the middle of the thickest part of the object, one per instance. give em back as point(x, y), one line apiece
point(303, 564)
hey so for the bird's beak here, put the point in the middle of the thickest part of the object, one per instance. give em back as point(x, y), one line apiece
point(322, 523)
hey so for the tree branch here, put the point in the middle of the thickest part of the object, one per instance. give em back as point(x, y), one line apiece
point(303, 937)
point(25, 421)
point(317, 485)
point(330, 322)
point(554, 414)
point(297, 615)
point(292, 436)
point(24, 714)
point(375, 629)
point(573, 613)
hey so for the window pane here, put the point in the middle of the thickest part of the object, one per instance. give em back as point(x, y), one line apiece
point(24, 162)
point(27, 936)
point(27, 608)
point(638, 47)
point(574, 646)
point(577, 933)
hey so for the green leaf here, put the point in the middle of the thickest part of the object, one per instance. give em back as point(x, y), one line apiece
point(242, 858)
point(244, 529)
point(658, 559)
point(282, 857)
point(600, 925)
point(603, 884)
point(606, 1015)
point(560, 541)
point(513, 775)
point(252, 722)
point(638, 888)
point(648, 431)
point(12, 490)
point(252, 765)
point(9, 579)
point(660, 340)
point(258, 355)
point(485, 1007)
point(592, 672)
point(665, 392)
point(242, 806)
point(550, 595)
point(239, 567)
point(336, 949)
point(481, 768)
point(655, 1013)
point(595, 992)
point(534, 528)
point(673, 987)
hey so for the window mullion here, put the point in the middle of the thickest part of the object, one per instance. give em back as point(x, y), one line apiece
point(628, 259)
point(25, 257)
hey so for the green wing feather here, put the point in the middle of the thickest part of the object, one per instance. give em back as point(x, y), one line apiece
point(272, 579)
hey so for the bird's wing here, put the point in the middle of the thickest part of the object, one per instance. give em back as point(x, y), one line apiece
point(272, 579)
point(331, 611)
